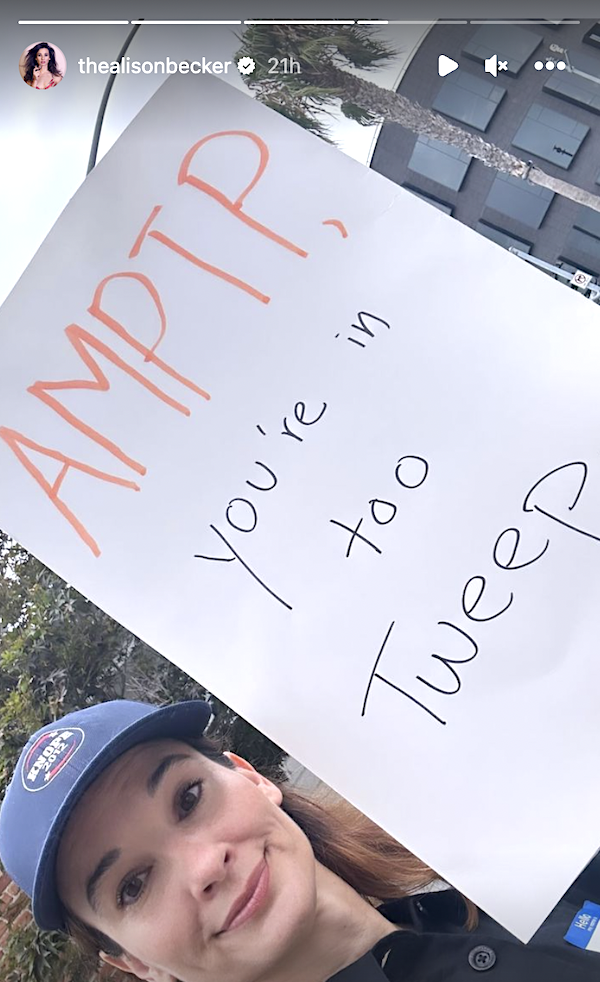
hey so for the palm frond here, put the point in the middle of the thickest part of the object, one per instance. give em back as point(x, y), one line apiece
point(363, 116)
point(320, 50)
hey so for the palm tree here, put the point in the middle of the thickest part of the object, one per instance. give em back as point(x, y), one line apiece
point(324, 52)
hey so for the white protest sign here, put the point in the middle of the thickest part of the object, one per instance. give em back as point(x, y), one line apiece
point(337, 457)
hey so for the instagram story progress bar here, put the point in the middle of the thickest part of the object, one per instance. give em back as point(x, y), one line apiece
point(91, 23)
point(53, 23)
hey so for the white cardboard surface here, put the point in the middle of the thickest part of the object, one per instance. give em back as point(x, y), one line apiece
point(368, 360)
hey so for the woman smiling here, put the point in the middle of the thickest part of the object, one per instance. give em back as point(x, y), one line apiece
point(173, 861)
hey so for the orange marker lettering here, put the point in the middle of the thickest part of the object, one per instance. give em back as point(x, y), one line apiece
point(79, 338)
point(337, 224)
point(235, 207)
point(190, 257)
point(16, 441)
point(114, 325)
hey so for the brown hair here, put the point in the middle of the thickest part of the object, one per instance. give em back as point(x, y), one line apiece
point(343, 839)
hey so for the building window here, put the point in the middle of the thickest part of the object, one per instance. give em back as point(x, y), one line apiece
point(501, 237)
point(509, 42)
point(588, 220)
point(516, 198)
point(550, 135)
point(439, 162)
point(431, 200)
point(567, 267)
point(576, 89)
point(469, 99)
point(593, 36)
point(583, 251)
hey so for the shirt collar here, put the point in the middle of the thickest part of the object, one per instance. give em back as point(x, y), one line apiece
point(366, 969)
point(399, 951)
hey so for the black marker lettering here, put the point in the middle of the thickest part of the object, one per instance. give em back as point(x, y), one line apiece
point(527, 506)
point(355, 535)
point(449, 662)
point(299, 410)
point(468, 610)
point(509, 565)
point(287, 432)
point(253, 520)
point(257, 487)
point(362, 326)
point(375, 675)
point(234, 555)
point(414, 475)
point(387, 504)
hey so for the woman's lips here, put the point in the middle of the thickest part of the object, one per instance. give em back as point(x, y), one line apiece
point(251, 900)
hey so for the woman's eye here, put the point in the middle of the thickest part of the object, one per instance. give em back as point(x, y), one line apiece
point(188, 798)
point(132, 889)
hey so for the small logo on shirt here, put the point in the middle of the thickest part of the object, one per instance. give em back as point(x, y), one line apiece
point(49, 754)
point(585, 928)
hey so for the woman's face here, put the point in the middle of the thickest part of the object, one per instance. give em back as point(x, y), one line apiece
point(43, 57)
point(191, 867)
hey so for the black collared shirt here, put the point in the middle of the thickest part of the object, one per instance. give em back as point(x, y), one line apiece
point(434, 945)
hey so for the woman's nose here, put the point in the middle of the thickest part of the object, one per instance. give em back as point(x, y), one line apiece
point(206, 869)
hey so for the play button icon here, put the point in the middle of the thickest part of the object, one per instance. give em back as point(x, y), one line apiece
point(446, 65)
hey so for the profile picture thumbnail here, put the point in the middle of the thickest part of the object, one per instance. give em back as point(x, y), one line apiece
point(42, 65)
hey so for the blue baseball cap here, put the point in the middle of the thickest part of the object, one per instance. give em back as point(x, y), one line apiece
point(56, 767)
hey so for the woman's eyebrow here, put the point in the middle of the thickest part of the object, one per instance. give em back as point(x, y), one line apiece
point(91, 888)
point(163, 767)
point(110, 858)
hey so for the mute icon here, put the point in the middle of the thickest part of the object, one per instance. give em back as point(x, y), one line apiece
point(491, 65)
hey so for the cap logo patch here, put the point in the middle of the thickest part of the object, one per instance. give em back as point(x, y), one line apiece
point(49, 754)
